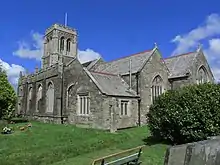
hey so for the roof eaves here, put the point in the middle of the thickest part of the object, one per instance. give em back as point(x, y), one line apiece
point(180, 76)
point(134, 96)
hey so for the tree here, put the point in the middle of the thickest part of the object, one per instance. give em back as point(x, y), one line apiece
point(188, 114)
point(7, 96)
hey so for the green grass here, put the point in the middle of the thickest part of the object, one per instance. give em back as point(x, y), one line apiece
point(45, 144)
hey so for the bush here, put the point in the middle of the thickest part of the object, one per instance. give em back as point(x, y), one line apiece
point(185, 115)
point(7, 97)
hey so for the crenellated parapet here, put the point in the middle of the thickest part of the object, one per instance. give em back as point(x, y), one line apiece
point(61, 28)
point(40, 74)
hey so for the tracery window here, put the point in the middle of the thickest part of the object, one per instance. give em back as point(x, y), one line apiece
point(202, 75)
point(157, 87)
point(39, 97)
point(29, 98)
point(50, 97)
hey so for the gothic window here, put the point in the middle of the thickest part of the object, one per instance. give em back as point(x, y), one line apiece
point(68, 44)
point(39, 97)
point(69, 95)
point(124, 108)
point(61, 43)
point(202, 75)
point(50, 97)
point(84, 104)
point(29, 98)
point(157, 87)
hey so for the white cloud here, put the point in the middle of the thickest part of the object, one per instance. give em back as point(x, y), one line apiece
point(87, 55)
point(208, 31)
point(12, 71)
point(210, 28)
point(34, 50)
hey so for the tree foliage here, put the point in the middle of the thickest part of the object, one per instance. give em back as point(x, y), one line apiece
point(188, 114)
point(7, 96)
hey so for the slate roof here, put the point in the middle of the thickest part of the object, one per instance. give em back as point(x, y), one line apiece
point(121, 66)
point(178, 65)
point(106, 75)
point(111, 84)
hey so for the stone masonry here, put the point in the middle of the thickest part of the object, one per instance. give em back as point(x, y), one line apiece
point(98, 94)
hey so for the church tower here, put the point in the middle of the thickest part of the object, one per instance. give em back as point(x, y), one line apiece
point(60, 45)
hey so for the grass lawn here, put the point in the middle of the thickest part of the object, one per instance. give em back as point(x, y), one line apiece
point(45, 144)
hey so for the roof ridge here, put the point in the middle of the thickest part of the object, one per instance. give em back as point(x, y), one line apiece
point(184, 54)
point(130, 55)
point(105, 73)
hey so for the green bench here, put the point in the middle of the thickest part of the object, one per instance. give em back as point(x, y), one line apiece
point(130, 159)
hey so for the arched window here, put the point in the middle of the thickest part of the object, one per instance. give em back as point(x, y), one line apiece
point(61, 43)
point(157, 87)
point(29, 98)
point(69, 96)
point(202, 75)
point(50, 98)
point(68, 43)
point(39, 97)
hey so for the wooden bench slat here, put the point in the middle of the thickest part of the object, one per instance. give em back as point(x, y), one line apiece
point(132, 159)
point(124, 160)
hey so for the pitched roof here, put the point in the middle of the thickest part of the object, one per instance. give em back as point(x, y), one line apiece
point(178, 65)
point(86, 64)
point(111, 84)
point(121, 66)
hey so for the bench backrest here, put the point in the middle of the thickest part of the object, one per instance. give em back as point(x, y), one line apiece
point(131, 158)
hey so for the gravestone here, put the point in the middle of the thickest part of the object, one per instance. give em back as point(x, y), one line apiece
point(205, 152)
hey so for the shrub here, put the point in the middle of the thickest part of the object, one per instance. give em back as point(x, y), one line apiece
point(191, 113)
point(7, 96)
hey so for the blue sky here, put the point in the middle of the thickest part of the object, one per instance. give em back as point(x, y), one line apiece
point(111, 29)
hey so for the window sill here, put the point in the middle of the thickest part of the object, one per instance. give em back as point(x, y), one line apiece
point(82, 115)
point(124, 116)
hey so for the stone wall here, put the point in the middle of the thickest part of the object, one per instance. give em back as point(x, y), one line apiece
point(193, 76)
point(79, 82)
point(153, 68)
point(41, 77)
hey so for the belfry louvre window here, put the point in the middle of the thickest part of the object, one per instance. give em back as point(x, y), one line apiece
point(124, 108)
point(84, 104)
point(157, 88)
point(68, 44)
point(61, 43)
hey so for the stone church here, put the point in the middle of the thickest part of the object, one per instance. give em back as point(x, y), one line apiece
point(99, 94)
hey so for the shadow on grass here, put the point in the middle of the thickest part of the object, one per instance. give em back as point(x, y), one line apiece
point(150, 140)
